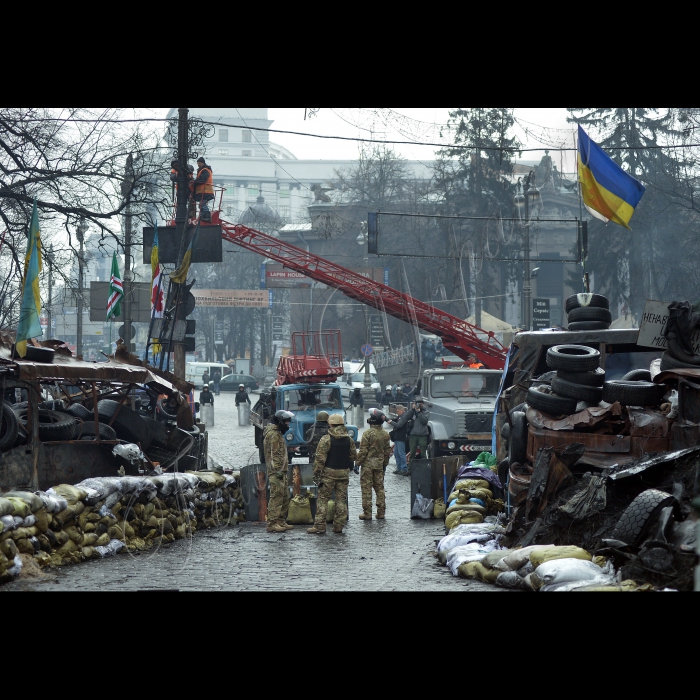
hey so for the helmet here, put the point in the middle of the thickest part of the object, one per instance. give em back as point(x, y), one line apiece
point(322, 416)
point(419, 399)
point(280, 420)
point(190, 168)
point(241, 386)
point(375, 419)
point(174, 162)
point(387, 388)
point(336, 419)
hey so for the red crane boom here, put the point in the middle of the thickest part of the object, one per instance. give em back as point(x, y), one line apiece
point(457, 335)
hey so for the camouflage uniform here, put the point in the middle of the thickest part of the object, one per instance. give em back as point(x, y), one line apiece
point(313, 437)
point(375, 449)
point(276, 460)
point(332, 479)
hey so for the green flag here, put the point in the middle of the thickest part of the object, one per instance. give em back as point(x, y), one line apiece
point(116, 290)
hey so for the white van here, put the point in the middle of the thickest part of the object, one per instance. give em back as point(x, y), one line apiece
point(354, 377)
point(195, 370)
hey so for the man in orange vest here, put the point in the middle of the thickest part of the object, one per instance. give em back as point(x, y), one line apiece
point(473, 362)
point(204, 188)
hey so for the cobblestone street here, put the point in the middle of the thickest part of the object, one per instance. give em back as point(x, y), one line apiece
point(395, 554)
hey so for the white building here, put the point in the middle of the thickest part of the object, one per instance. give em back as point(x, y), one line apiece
point(248, 164)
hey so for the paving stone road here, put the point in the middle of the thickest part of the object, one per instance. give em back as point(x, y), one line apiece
point(393, 555)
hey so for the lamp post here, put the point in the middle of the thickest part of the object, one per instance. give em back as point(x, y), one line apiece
point(527, 201)
point(81, 231)
point(362, 240)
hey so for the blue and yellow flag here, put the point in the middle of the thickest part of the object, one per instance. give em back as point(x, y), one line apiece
point(29, 326)
point(180, 275)
point(605, 187)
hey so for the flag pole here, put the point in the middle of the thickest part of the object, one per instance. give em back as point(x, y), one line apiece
point(584, 275)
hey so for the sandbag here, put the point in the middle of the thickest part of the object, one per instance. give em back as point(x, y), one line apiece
point(42, 520)
point(626, 586)
point(491, 560)
point(6, 507)
point(21, 507)
point(564, 571)
point(474, 551)
point(439, 510)
point(471, 484)
point(33, 501)
point(29, 521)
point(462, 517)
point(464, 534)
point(519, 557)
point(8, 548)
point(53, 503)
point(74, 533)
point(299, 511)
point(71, 493)
point(330, 511)
point(509, 579)
point(24, 546)
point(539, 556)
point(467, 506)
point(102, 540)
point(89, 539)
point(475, 569)
point(8, 521)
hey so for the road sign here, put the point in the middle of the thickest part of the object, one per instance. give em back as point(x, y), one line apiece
point(277, 328)
point(218, 332)
point(366, 350)
point(376, 330)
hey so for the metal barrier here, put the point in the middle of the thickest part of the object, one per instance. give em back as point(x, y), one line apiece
point(396, 356)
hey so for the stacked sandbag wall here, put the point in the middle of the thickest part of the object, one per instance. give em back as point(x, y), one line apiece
point(98, 517)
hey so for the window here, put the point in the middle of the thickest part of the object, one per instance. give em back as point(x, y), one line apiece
point(223, 151)
point(252, 192)
point(284, 212)
point(247, 153)
point(223, 134)
point(247, 136)
point(284, 194)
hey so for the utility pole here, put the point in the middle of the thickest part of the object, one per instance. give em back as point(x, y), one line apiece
point(127, 186)
point(82, 228)
point(181, 218)
point(50, 305)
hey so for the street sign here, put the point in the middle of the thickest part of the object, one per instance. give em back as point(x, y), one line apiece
point(366, 350)
point(277, 328)
point(218, 333)
point(376, 330)
point(540, 314)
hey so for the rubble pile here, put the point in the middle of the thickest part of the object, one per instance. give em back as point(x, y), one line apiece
point(98, 517)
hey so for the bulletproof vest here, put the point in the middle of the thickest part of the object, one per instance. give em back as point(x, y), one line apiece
point(338, 455)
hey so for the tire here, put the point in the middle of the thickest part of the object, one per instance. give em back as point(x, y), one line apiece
point(580, 392)
point(588, 326)
point(159, 433)
point(639, 516)
point(9, 427)
point(505, 432)
point(87, 431)
point(594, 378)
point(590, 313)
point(79, 411)
point(503, 469)
point(551, 404)
point(545, 378)
point(577, 301)
point(35, 354)
point(518, 438)
point(669, 362)
point(633, 393)
point(158, 454)
point(165, 411)
point(128, 424)
point(573, 358)
point(54, 426)
point(638, 375)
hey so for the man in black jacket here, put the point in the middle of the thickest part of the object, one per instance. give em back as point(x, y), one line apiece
point(399, 435)
point(206, 396)
point(242, 395)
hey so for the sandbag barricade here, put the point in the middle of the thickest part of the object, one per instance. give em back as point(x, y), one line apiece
point(101, 516)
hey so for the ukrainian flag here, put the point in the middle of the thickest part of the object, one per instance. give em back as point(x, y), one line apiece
point(29, 326)
point(605, 187)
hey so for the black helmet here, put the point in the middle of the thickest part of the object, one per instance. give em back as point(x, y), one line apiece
point(375, 420)
point(282, 416)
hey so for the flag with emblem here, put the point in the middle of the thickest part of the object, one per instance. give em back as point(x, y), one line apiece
point(116, 290)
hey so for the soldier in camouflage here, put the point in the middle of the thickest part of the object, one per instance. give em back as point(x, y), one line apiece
point(315, 433)
point(277, 461)
point(375, 450)
point(335, 458)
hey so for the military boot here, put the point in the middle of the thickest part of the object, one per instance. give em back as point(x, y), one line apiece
point(315, 531)
point(276, 527)
point(380, 515)
point(365, 516)
point(287, 526)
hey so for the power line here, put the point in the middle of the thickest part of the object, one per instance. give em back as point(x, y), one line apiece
point(358, 139)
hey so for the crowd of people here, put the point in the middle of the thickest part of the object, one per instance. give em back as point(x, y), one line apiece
point(431, 350)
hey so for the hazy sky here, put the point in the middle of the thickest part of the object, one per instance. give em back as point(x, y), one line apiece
point(535, 127)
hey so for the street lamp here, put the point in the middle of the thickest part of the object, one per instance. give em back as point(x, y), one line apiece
point(81, 231)
point(527, 201)
point(362, 240)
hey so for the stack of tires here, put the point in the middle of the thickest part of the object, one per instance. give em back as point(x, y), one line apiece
point(588, 312)
point(578, 381)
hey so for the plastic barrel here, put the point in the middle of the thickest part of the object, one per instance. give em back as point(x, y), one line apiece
point(244, 413)
point(206, 415)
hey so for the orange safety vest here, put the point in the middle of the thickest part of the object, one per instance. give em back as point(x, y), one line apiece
point(208, 186)
point(190, 178)
point(476, 365)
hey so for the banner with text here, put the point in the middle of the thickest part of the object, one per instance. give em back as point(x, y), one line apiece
point(250, 298)
point(653, 321)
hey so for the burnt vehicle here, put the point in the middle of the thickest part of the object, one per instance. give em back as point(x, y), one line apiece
point(93, 408)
